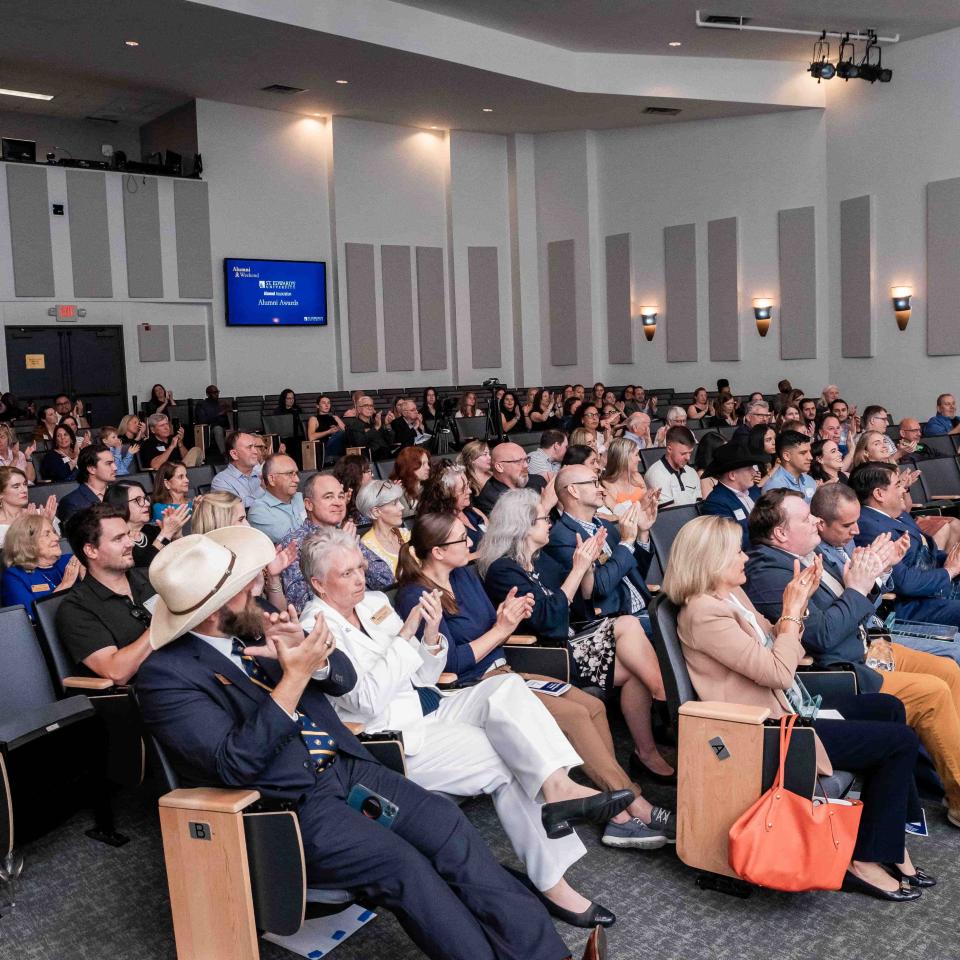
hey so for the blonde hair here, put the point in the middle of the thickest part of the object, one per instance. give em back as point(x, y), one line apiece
point(21, 547)
point(618, 459)
point(701, 550)
point(471, 452)
point(213, 510)
point(860, 452)
point(584, 438)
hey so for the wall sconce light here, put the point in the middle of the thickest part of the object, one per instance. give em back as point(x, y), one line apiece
point(648, 317)
point(762, 310)
point(901, 305)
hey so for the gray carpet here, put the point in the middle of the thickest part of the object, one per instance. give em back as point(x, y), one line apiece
point(83, 900)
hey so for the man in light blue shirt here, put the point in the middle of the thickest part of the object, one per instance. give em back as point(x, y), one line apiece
point(638, 430)
point(280, 510)
point(946, 420)
point(793, 452)
point(242, 476)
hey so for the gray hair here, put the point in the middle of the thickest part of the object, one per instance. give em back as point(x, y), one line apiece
point(317, 552)
point(507, 530)
point(156, 418)
point(375, 494)
point(757, 406)
point(673, 412)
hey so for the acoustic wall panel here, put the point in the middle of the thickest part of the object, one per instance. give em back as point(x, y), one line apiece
point(680, 282)
point(562, 302)
point(397, 307)
point(189, 341)
point(943, 267)
point(89, 234)
point(154, 342)
point(141, 224)
point(191, 211)
point(723, 289)
point(30, 231)
point(361, 307)
point(483, 281)
point(431, 305)
point(856, 302)
point(619, 319)
point(798, 284)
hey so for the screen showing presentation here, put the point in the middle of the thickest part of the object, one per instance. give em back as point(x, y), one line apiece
point(275, 293)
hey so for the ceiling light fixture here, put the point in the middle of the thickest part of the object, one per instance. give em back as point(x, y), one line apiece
point(342, 82)
point(27, 94)
point(487, 109)
point(847, 69)
point(674, 43)
point(822, 68)
point(131, 43)
point(871, 70)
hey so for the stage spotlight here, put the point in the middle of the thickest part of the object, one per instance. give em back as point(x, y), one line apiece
point(822, 68)
point(847, 69)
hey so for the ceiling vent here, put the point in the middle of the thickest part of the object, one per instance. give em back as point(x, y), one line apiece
point(101, 119)
point(662, 111)
point(283, 89)
point(723, 18)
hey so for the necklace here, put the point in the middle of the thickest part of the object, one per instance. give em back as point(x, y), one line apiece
point(141, 541)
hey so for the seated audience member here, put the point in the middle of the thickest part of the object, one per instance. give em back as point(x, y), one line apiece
point(509, 471)
point(571, 405)
point(676, 417)
point(104, 622)
point(911, 447)
point(59, 464)
point(353, 471)
point(874, 447)
point(925, 579)
point(382, 502)
point(429, 408)
point(946, 420)
point(410, 470)
point(408, 427)
point(735, 655)
point(281, 509)
point(795, 458)
point(475, 458)
point(785, 530)
point(546, 459)
point(371, 429)
point(161, 400)
point(703, 455)
point(827, 462)
point(66, 407)
point(170, 488)
point(618, 585)
point(123, 457)
point(34, 563)
point(47, 419)
point(95, 472)
point(756, 412)
point(700, 406)
point(447, 491)
point(808, 415)
point(467, 406)
point(436, 558)
point(736, 493)
point(287, 404)
point(512, 417)
point(164, 446)
point(875, 417)
point(784, 396)
point(638, 430)
point(546, 411)
point(131, 430)
point(215, 413)
point(451, 896)
point(355, 397)
point(148, 538)
point(588, 418)
point(15, 501)
point(328, 428)
point(724, 412)
point(517, 753)
point(849, 424)
point(241, 476)
point(621, 480)
point(578, 453)
point(672, 474)
point(12, 456)
point(830, 393)
point(511, 558)
point(789, 419)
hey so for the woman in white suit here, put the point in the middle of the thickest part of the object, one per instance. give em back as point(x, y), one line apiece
point(495, 737)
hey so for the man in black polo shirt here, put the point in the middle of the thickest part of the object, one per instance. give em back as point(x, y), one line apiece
point(103, 622)
point(510, 471)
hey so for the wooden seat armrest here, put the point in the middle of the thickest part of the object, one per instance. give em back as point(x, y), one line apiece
point(946, 496)
point(446, 679)
point(521, 639)
point(87, 683)
point(354, 728)
point(716, 710)
point(211, 799)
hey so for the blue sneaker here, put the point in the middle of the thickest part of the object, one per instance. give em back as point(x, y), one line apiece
point(635, 834)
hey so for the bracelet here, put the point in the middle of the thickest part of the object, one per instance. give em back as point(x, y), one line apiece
point(797, 620)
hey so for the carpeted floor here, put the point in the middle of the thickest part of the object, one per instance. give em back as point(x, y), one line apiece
point(84, 901)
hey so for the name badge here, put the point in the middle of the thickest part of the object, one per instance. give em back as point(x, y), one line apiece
point(40, 587)
point(602, 559)
point(739, 514)
point(382, 614)
point(160, 448)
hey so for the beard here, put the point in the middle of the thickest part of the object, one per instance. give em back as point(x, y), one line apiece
point(245, 624)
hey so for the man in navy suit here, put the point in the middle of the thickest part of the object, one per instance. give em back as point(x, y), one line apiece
point(925, 579)
point(234, 715)
point(618, 584)
point(735, 493)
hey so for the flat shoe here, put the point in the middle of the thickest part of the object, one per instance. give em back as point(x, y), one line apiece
point(853, 884)
point(599, 808)
point(918, 879)
point(595, 916)
point(640, 771)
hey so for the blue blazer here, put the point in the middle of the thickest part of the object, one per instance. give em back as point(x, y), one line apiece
point(831, 632)
point(221, 729)
point(76, 500)
point(723, 502)
point(610, 596)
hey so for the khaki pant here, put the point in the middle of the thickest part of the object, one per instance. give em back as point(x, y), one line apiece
point(193, 458)
point(929, 688)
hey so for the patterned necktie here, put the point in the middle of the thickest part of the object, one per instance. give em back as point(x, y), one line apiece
point(320, 745)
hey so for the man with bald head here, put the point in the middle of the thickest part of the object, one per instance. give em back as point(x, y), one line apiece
point(371, 429)
point(510, 471)
point(618, 584)
point(281, 508)
point(638, 430)
point(911, 446)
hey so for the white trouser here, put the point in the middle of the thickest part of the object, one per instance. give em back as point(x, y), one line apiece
point(497, 738)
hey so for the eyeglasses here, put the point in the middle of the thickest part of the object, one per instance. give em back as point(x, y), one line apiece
point(453, 543)
point(519, 460)
point(286, 473)
point(546, 517)
point(139, 501)
point(594, 414)
point(594, 482)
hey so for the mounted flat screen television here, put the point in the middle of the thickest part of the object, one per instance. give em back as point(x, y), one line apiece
point(275, 293)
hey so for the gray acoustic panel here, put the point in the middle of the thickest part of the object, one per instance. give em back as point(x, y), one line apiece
point(30, 231)
point(856, 301)
point(562, 302)
point(397, 307)
point(680, 284)
point(191, 211)
point(483, 270)
point(154, 342)
point(432, 312)
point(141, 225)
point(89, 234)
point(189, 341)
point(361, 307)
point(798, 284)
point(723, 289)
point(943, 267)
point(619, 314)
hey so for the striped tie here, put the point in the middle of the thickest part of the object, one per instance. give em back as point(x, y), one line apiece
point(320, 745)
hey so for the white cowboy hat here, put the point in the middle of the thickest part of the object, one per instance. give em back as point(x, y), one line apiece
point(196, 575)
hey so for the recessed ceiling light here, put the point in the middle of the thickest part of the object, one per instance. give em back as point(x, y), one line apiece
point(436, 128)
point(344, 82)
point(132, 43)
point(487, 109)
point(27, 94)
point(674, 43)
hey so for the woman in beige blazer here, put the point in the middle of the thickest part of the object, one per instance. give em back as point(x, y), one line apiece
point(735, 655)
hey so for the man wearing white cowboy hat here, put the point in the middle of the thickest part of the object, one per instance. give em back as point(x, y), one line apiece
point(235, 714)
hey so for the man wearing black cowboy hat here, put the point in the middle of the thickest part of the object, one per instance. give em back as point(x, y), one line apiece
point(735, 493)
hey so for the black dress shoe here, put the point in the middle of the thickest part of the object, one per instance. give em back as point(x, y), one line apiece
point(595, 916)
point(640, 771)
point(918, 879)
point(596, 948)
point(853, 884)
point(599, 808)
